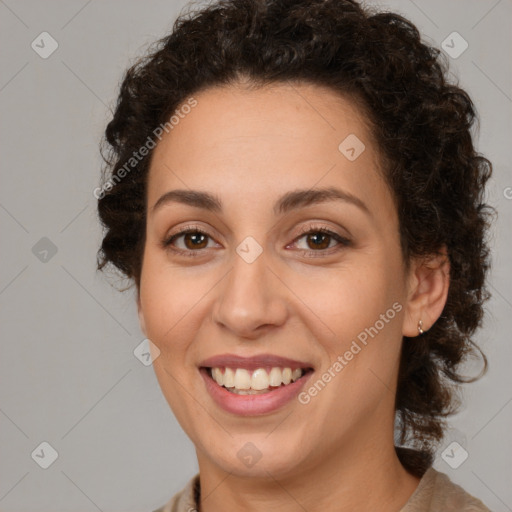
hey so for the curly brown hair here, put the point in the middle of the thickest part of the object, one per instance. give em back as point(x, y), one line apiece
point(422, 125)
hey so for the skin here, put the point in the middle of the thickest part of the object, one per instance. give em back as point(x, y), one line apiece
point(249, 147)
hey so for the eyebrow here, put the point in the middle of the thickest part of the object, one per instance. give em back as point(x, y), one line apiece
point(290, 201)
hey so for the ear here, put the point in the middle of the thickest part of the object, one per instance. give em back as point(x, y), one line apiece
point(142, 322)
point(428, 284)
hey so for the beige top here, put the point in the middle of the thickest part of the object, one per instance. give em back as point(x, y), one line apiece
point(435, 493)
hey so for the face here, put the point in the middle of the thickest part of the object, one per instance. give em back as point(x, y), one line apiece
point(271, 267)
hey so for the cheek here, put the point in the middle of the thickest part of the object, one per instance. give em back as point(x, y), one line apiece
point(362, 305)
point(169, 300)
point(351, 298)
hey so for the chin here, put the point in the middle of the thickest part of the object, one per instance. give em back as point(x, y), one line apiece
point(249, 457)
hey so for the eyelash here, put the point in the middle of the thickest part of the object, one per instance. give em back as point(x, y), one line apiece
point(342, 241)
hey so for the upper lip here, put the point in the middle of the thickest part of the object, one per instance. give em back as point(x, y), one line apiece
point(254, 362)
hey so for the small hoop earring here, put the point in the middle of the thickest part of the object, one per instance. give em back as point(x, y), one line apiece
point(420, 327)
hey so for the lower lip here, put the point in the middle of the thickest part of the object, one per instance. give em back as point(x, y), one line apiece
point(252, 405)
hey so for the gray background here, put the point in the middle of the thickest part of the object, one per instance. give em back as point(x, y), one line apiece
point(68, 372)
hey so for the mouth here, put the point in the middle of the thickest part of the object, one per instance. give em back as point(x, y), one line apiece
point(234, 389)
point(264, 380)
point(257, 385)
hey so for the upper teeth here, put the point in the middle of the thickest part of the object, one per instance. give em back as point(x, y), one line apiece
point(241, 378)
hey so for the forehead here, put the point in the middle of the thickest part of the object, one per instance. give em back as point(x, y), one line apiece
point(252, 142)
point(283, 111)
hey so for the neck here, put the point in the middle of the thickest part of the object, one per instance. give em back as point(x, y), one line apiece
point(363, 474)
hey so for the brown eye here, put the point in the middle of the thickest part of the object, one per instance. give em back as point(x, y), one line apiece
point(188, 241)
point(318, 240)
point(195, 240)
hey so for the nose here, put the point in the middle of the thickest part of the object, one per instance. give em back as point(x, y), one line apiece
point(251, 300)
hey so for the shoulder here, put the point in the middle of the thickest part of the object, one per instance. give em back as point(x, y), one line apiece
point(437, 492)
point(186, 500)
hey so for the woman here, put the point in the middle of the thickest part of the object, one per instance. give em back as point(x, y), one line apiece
point(293, 189)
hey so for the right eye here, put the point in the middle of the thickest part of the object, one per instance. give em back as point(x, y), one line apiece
point(193, 240)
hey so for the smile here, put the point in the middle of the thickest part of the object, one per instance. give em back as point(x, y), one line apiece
point(242, 399)
point(259, 381)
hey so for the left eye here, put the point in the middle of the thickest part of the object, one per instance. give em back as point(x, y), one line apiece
point(320, 239)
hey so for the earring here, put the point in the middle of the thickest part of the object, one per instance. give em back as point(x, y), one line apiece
point(420, 327)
